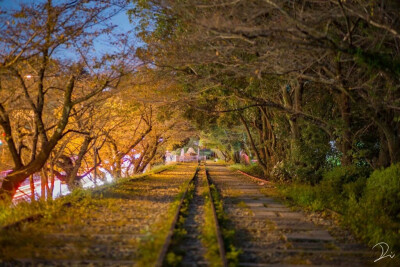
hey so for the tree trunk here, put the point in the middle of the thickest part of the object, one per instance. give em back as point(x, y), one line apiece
point(32, 186)
point(254, 147)
point(294, 105)
point(346, 139)
point(117, 172)
point(14, 179)
point(128, 169)
point(225, 155)
point(43, 183)
point(297, 103)
point(384, 158)
point(343, 101)
point(74, 173)
point(139, 161)
point(392, 139)
point(147, 159)
point(394, 149)
point(49, 193)
point(130, 165)
point(52, 178)
point(236, 156)
point(95, 164)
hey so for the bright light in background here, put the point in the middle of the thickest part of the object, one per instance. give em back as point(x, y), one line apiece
point(28, 76)
point(108, 176)
point(24, 191)
point(87, 182)
point(60, 188)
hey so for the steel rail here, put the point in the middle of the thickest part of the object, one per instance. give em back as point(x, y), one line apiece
point(220, 240)
point(258, 179)
point(168, 240)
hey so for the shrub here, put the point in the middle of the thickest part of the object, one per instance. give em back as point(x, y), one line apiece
point(383, 191)
point(376, 215)
point(370, 206)
point(304, 195)
point(342, 182)
point(345, 174)
point(279, 172)
point(307, 160)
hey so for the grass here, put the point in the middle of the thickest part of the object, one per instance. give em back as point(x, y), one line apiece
point(271, 226)
point(127, 202)
point(12, 214)
point(242, 205)
point(232, 253)
point(28, 235)
point(160, 168)
point(233, 193)
point(151, 246)
point(209, 231)
point(218, 162)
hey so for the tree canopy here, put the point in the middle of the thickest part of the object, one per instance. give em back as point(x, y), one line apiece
point(311, 83)
point(300, 86)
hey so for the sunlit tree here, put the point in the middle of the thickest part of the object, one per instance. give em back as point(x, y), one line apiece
point(49, 72)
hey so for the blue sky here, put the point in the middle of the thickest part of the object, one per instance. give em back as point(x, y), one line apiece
point(102, 44)
point(121, 19)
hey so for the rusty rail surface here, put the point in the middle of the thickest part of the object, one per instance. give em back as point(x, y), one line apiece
point(220, 240)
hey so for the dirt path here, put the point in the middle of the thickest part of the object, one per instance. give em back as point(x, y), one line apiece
point(271, 234)
point(104, 230)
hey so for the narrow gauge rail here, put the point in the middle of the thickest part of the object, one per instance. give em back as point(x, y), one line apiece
point(221, 245)
point(170, 236)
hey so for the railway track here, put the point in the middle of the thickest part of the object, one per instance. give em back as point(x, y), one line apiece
point(186, 244)
point(114, 228)
point(270, 234)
